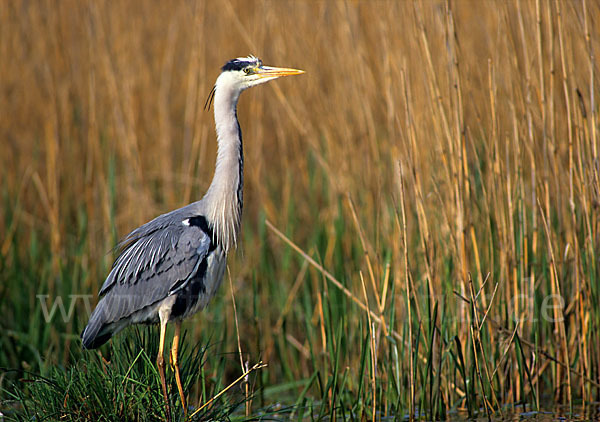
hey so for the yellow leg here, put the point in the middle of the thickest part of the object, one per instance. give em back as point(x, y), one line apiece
point(160, 362)
point(175, 363)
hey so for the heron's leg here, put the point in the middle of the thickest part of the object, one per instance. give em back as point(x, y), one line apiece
point(175, 363)
point(160, 362)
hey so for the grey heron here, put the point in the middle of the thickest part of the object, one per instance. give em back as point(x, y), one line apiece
point(170, 267)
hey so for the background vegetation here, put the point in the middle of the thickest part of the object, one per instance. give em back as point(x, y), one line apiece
point(442, 155)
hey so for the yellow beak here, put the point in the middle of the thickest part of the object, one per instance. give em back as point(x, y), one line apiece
point(275, 72)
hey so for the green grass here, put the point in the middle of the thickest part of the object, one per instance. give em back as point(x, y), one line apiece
point(122, 383)
point(344, 365)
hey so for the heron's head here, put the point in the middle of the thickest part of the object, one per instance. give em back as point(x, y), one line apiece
point(246, 72)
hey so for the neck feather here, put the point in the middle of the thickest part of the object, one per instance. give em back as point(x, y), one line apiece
point(224, 197)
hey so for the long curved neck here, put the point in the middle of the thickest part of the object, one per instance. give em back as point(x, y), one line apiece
point(224, 197)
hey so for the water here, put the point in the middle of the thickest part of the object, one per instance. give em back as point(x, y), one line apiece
point(590, 412)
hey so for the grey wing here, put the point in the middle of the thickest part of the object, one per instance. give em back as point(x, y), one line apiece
point(154, 264)
point(144, 248)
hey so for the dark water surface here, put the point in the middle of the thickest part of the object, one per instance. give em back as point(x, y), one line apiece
point(590, 412)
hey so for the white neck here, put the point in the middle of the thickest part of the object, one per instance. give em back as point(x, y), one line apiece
point(224, 197)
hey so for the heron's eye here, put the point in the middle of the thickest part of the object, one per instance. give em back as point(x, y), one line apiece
point(247, 70)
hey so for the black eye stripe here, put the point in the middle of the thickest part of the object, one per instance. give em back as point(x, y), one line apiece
point(237, 64)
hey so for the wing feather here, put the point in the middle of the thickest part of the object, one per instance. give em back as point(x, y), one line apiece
point(156, 260)
point(166, 256)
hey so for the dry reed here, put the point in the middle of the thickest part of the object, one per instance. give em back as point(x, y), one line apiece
point(490, 110)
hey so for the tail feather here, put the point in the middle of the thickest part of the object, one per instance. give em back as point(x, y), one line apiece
point(96, 332)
